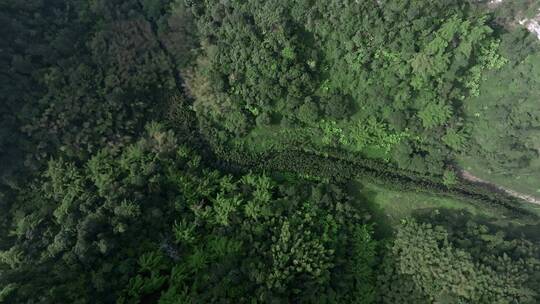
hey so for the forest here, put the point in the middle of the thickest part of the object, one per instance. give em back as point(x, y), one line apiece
point(249, 151)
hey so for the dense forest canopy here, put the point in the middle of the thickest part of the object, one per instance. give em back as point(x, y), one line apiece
point(170, 151)
point(390, 85)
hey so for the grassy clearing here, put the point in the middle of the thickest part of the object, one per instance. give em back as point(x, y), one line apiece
point(397, 205)
point(391, 206)
point(517, 180)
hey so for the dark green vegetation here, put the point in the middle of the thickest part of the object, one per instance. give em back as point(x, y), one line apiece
point(152, 218)
point(161, 151)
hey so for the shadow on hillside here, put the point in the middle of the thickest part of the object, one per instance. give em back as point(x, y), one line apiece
point(366, 202)
point(456, 220)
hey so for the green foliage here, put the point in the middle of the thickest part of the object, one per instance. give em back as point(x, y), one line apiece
point(375, 134)
point(332, 134)
point(503, 121)
point(86, 75)
point(288, 53)
point(308, 112)
point(423, 266)
point(283, 244)
point(335, 79)
point(91, 212)
point(100, 206)
point(271, 241)
point(6, 290)
point(364, 256)
point(184, 232)
point(148, 279)
point(295, 253)
point(434, 115)
point(449, 178)
point(455, 139)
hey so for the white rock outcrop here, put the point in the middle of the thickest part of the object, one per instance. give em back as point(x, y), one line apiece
point(533, 25)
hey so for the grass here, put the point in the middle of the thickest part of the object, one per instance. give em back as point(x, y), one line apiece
point(505, 120)
point(526, 183)
point(389, 207)
point(397, 205)
point(278, 138)
point(275, 137)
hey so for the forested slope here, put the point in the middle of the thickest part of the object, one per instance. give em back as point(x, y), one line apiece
point(504, 120)
point(390, 85)
point(166, 151)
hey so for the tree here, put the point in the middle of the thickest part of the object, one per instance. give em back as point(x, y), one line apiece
point(423, 266)
point(308, 112)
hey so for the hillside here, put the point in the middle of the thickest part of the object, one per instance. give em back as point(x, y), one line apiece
point(171, 151)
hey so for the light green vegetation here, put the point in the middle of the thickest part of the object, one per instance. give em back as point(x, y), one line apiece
point(521, 181)
point(429, 90)
point(315, 75)
point(504, 121)
point(397, 205)
point(394, 206)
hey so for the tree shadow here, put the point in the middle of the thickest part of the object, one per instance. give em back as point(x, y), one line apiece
point(454, 220)
point(365, 199)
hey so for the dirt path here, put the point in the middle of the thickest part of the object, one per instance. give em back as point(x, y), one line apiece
point(470, 177)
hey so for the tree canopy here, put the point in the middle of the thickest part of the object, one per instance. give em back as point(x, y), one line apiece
point(171, 151)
